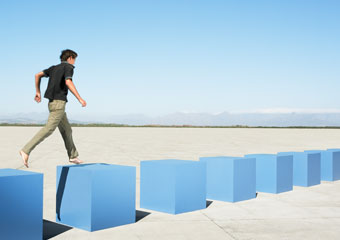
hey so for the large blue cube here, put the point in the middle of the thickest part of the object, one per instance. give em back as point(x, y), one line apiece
point(21, 205)
point(306, 168)
point(274, 174)
point(173, 186)
point(230, 179)
point(330, 164)
point(96, 196)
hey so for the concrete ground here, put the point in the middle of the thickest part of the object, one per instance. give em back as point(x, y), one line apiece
point(304, 213)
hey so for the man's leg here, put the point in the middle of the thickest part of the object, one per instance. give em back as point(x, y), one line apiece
point(66, 132)
point(57, 110)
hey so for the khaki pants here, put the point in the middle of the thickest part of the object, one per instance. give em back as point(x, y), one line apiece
point(57, 118)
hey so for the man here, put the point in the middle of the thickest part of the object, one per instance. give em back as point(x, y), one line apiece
point(60, 81)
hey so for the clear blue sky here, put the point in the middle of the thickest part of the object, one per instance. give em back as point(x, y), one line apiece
point(158, 57)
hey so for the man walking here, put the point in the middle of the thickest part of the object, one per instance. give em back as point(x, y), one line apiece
point(60, 81)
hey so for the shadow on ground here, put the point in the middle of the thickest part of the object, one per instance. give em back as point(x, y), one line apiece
point(141, 214)
point(52, 229)
point(208, 203)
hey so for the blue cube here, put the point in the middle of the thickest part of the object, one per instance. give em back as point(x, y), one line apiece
point(306, 168)
point(173, 186)
point(96, 196)
point(230, 179)
point(330, 164)
point(274, 174)
point(21, 205)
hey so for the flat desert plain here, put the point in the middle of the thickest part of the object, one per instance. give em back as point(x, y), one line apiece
point(304, 213)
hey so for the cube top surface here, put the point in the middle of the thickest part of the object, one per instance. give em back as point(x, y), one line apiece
point(95, 166)
point(173, 162)
point(269, 157)
point(297, 153)
point(15, 172)
point(333, 150)
point(314, 151)
point(260, 155)
point(218, 157)
point(290, 153)
point(224, 158)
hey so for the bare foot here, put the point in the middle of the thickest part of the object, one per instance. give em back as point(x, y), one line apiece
point(76, 161)
point(24, 157)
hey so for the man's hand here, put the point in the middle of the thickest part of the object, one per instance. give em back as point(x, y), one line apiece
point(37, 97)
point(82, 102)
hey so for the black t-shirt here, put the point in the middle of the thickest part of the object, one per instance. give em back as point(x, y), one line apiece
point(56, 88)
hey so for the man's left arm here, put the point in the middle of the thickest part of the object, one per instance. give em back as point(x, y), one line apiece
point(73, 90)
point(38, 77)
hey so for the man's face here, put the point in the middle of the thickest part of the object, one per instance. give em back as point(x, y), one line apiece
point(71, 60)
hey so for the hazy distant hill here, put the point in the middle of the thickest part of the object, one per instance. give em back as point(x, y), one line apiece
point(251, 119)
point(36, 118)
point(28, 118)
point(196, 119)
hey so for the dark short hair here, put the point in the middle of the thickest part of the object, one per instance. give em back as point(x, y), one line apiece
point(65, 54)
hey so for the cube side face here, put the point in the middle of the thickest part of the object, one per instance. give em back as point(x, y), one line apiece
point(336, 165)
point(300, 169)
point(190, 187)
point(21, 207)
point(327, 166)
point(157, 186)
point(266, 180)
point(244, 179)
point(314, 169)
point(73, 203)
point(284, 173)
point(113, 197)
point(220, 180)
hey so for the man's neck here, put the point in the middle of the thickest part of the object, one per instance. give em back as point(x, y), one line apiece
point(66, 62)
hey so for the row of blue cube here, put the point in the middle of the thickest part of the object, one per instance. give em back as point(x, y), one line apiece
point(178, 186)
point(174, 186)
point(235, 179)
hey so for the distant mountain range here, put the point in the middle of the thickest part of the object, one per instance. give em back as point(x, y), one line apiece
point(195, 119)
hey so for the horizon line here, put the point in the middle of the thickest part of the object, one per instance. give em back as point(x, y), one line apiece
point(257, 111)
